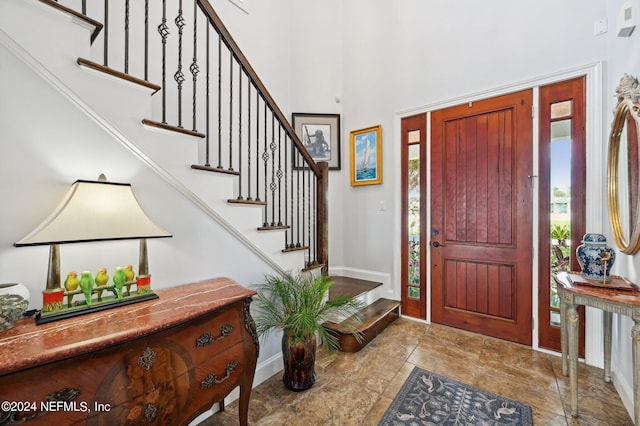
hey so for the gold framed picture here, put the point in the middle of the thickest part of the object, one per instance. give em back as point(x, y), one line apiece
point(366, 156)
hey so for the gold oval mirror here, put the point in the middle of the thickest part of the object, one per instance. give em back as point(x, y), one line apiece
point(623, 177)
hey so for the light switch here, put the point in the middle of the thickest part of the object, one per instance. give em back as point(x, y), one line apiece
point(600, 27)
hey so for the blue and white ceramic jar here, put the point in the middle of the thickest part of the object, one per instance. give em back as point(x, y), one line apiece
point(593, 254)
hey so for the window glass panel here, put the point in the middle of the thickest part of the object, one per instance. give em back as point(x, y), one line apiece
point(414, 214)
point(414, 292)
point(560, 214)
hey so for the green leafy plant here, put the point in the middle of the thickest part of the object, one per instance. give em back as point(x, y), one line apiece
point(299, 305)
point(561, 233)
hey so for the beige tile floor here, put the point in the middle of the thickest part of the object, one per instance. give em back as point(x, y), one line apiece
point(356, 389)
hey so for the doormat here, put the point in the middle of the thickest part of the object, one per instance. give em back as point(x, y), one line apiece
point(430, 399)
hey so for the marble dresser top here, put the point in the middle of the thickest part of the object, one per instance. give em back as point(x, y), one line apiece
point(27, 344)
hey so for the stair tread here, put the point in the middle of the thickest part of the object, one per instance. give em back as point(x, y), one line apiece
point(370, 315)
point(352, 287)
point(98, 67)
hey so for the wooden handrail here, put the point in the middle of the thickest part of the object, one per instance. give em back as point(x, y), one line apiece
point(216, 22)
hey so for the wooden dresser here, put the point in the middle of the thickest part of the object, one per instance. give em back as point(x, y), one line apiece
point(162, 362)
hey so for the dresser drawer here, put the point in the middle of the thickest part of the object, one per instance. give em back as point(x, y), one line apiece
point(207, 337)
point(172, 402)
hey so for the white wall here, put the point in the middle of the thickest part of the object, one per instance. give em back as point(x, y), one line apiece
point(623, 57)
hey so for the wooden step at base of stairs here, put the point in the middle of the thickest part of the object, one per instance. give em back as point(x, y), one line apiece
point(375, 318)
point(352, 287)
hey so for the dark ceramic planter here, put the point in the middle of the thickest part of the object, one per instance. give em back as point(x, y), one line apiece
point(299, 362)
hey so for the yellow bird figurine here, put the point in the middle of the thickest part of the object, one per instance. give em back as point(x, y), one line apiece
point(102, 278)
point(71, 283)
point(129, 276)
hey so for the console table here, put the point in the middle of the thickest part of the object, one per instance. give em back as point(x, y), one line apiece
point(609, 301)
point(163, 361)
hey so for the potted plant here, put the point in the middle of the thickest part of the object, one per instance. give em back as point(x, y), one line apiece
point(299, 306)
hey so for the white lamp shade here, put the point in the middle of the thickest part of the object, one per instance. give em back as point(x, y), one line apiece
point(95, 211)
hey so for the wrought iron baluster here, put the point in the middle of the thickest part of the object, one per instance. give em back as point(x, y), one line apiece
point(257, 145)
point(207, 97)
point(304, 201)
point(240, 131)
point(194, 68)
point(126, 37)
point(298, 221)
point(313, 246)
point(179, 75)
point(230, 109)
point(272, 185)
point(163, 30)
point(146, 40)
point(280, 174)
point(105, 45)
point(287, 172)
point(249, 84)
point(219, 100)
point(265, 159)
point(308, 172)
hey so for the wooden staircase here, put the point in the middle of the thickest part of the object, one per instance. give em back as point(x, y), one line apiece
point(375, 317)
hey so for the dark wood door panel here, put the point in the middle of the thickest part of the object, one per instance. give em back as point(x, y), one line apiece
point(491, 293)
point(481, 211)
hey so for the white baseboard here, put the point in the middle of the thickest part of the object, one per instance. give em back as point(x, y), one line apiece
point(624, 388)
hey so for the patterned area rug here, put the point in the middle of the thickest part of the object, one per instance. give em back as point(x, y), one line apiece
point(429, 399)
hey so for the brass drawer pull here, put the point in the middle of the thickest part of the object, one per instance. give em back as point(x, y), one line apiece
point(150, 412)
point(146, 359)
point(207, 338)
point(212, 379)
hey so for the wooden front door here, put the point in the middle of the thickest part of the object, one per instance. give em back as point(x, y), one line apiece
point(481, 216)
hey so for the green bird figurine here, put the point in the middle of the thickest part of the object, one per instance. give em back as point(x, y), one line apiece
point(102, 278)
point(118, 281)
point(71, 283)
point(86, 284)
point(129, 276)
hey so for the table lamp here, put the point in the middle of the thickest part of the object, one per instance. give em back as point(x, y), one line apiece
point(93, 211)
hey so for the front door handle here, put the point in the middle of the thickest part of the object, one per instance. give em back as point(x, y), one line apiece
point(435, 244)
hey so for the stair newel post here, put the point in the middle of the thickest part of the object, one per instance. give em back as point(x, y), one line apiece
point(322, 231)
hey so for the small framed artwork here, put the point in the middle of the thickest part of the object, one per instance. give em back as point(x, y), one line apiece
point(366, 156)
point(320, 134)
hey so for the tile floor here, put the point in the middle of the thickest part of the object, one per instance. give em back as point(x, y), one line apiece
point(356, 389)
